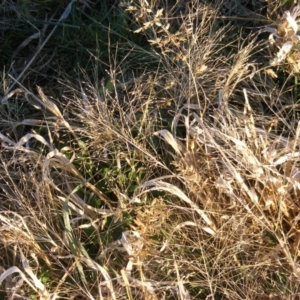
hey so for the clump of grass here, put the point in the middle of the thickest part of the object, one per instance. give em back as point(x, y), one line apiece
point(176, 181)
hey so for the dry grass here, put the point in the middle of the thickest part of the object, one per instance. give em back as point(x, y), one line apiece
point(180, 183)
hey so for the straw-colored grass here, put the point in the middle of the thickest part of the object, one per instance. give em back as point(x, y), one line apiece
point(177, 181)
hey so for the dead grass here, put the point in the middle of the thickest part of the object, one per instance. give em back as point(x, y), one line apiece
point(179, 183)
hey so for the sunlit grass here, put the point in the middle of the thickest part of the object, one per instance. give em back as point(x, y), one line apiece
point(149, 150)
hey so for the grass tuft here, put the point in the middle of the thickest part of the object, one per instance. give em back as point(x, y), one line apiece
point(149, 150)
